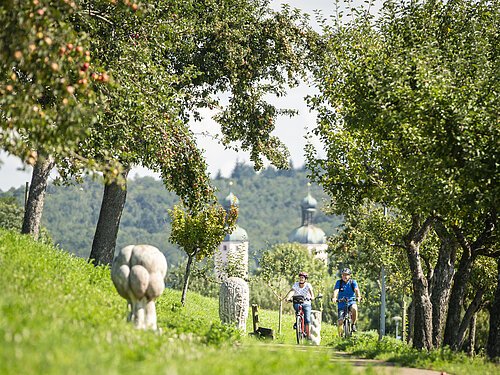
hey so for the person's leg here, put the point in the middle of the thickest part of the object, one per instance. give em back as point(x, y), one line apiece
point(340, 322)
point(354, 314)
point(307, 318)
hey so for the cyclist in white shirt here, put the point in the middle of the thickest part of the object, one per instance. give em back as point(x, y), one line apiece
point(303, 288)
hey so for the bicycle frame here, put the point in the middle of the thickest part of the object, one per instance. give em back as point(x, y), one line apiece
point(346, 324)
point(299, 321)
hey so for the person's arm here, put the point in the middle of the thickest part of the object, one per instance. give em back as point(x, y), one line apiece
point(335, 295)
point(289, 295)
point(311, 291)
point(358, 294)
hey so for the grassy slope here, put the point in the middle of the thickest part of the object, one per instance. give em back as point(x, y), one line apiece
point(60, 315)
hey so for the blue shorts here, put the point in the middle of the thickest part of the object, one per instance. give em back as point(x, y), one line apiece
point(341, 311)
point(307, 312)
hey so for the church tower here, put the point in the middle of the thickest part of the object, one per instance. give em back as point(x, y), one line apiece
point(310, 236)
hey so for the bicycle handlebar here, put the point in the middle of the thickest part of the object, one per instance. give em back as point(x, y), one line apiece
point(319, 296)
point(345, 299)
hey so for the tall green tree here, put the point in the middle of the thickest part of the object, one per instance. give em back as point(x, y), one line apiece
point(172, 58)
point(408, 117)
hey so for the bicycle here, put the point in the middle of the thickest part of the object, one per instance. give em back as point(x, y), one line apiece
point(346, 325)
point(299, 325)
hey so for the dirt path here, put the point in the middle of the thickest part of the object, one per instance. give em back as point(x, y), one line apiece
point(360, 364)
point(379, 367)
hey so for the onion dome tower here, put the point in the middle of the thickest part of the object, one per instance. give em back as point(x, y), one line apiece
point(231, 257)
point(310, 236)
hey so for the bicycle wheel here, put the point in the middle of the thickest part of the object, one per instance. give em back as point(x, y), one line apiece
point(347, 328)
point(298, 330)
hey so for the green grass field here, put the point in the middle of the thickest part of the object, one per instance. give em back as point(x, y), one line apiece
point(61, 315)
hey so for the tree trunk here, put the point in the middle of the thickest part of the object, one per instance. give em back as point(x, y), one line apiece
point(471, 342)
point(441, 281)
point(113, 201)
point(473, 308)
point(422, 338)
point(36, 198)
point(280, 316)
point(483, 245)
point(186, 278)
point(493, 346)
point(411, 323)
point(457, 298)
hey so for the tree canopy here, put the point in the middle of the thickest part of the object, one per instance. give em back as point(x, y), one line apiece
point(122, 80)
point(408, 117)
point(407, 108)
point(48, 95)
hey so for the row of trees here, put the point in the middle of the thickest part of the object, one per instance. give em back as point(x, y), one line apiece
point(407, 112)
point(408, 115)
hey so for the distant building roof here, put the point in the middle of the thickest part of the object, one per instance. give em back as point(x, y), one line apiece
point(238, 234)
point(309, 202)
point(308, 234)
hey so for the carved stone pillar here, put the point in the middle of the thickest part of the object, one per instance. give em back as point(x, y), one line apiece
point(233, 302)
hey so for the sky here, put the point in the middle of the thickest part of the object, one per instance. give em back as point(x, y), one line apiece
point(291, 131)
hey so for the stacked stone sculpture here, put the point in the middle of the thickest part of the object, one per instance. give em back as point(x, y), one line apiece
point(234, 301)
point(138, 273)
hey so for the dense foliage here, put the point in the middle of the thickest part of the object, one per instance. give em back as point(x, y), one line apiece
point(408, 113)
point(47, 93)
point(11, 214)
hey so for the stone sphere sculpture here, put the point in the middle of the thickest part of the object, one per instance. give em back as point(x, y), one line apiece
point(138, 273)
point(315, 328)
point(234, 300)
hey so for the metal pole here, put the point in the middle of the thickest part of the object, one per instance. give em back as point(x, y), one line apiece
point(382, 305)
point(280, 314)
point(403, 322)
point(382, 295)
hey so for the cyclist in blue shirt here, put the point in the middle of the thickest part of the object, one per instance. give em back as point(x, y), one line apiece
point(346, 287)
